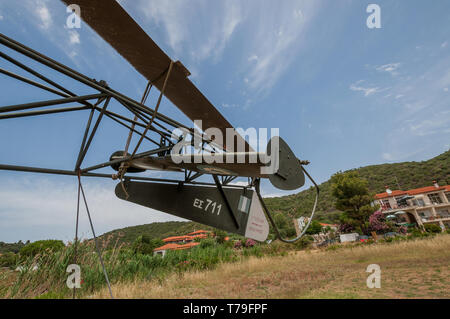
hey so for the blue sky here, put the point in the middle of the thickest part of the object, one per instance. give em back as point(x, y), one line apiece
point(343, 95)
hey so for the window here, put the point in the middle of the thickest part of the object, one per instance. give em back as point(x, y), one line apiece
point(385, 204)
point(435, 198)
point(420, 202)
point(443, 213)
point(424, 215)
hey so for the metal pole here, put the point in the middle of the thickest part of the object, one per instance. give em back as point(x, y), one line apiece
point(94, 130)
point(31, 82)
point(43, 112)
point(26, 106)
point(40, 170)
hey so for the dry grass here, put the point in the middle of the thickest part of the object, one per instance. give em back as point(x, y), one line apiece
point(412, 269)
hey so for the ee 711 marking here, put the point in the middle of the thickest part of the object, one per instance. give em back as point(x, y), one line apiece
point(208, 205)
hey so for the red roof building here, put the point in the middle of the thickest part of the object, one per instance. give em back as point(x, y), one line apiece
point(181, 242)
point(419, 206)
point(199, 232)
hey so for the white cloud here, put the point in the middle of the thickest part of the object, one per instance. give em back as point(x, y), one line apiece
point(189, 27)
point(254, 57)
point(226, 105)
point(366, 90)
point(422, 114)
point(270, 33)
point(44, 15)
point(74, 37)
point(276, 33)
point(434, 125)
point(390, 68)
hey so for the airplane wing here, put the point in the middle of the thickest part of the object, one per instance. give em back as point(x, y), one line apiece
point(119, 29)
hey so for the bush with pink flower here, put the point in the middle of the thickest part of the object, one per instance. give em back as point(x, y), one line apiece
point(377, 222)
point(250, 243)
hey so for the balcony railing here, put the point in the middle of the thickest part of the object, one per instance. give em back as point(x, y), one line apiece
point(396, 207)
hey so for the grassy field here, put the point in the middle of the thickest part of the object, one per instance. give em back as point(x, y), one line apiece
point(409, 269)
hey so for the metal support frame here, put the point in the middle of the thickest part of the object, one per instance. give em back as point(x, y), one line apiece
point(152, 121)
point(144, 117)
point(225, 199)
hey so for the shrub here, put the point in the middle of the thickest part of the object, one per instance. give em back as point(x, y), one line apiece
point(402, 230)
point(377, 223)
point(220, 236)
point(228, 244)
point(346, 228)
point(304, 242)
point(250, 243)
point(207, 243)
point(40, 246)
point(415, 233)
point(433, 228)
point(314, 228)
point(8, 260)
point(238, 244)
point(145, 245)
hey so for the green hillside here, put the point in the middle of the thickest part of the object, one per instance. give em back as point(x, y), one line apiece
point(408, 174)
point(153, 230)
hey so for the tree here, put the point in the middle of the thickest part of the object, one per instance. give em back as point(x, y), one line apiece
point(145, 245)
point(314, 228)
point(352, 197)
point(40, 246)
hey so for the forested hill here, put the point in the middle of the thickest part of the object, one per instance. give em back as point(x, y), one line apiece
point(408, 174)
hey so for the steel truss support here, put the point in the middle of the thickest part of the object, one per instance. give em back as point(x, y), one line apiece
point(144, 117)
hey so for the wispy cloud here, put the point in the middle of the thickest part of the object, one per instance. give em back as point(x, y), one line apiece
point(390, 68)
point(74, 37)
point(44, 15)
point(421, 112)
point(184, 30)
point(49, 18)
point(270, 33)
point(275, 37)
point(366, 90)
